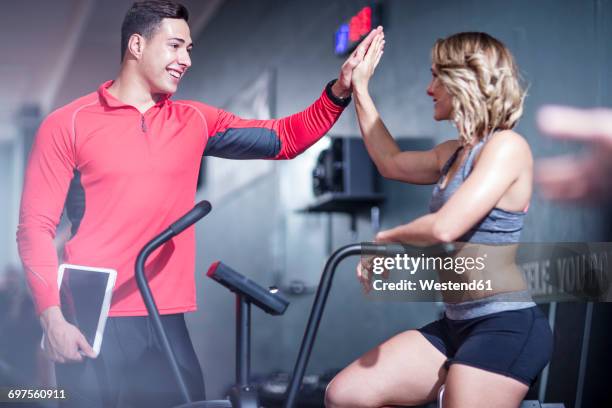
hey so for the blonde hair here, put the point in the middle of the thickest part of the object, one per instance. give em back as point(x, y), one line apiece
point(480, 74)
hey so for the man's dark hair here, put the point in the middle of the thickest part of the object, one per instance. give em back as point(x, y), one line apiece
point(144, 18)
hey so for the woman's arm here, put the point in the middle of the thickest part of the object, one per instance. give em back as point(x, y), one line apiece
point(415, 167)
point(411, 167)
point(419, 232)
point(501, 162)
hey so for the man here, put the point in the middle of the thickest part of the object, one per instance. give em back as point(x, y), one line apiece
point(136, 154)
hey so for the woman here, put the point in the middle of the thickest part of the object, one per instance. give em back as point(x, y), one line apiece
point(487, 352)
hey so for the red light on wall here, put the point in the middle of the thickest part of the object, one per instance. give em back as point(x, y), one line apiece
point(360, 24)
point(356, 28)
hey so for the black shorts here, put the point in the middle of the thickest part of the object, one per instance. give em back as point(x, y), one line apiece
point(515, 343)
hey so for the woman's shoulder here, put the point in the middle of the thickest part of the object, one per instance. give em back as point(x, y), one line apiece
point(507, 143)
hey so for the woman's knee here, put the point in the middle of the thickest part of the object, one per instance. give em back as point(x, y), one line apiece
point(342, 392)
point(335, 397)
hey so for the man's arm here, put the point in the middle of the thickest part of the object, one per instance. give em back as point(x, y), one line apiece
point(48, 175)
point(235, 138)
point(232, 137)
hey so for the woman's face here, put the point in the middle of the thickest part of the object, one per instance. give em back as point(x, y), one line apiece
point(443, 106)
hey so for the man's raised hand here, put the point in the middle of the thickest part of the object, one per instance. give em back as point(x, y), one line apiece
point(342, 88)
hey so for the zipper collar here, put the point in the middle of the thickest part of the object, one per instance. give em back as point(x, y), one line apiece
point(109, 100)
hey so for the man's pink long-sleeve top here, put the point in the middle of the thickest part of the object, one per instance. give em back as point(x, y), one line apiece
point(139, 174)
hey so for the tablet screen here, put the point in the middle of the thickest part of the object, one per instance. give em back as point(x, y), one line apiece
point(82, 296)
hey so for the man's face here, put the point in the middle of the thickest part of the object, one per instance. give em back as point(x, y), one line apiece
point(166, 56)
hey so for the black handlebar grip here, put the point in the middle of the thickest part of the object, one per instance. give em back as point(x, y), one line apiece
point(273, 303)
point(373, 249)
point(393, 249)
point(200, 210)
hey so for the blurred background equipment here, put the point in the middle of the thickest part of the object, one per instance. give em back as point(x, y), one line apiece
point(344, 178)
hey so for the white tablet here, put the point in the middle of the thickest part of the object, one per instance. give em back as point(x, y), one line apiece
point(85, 297)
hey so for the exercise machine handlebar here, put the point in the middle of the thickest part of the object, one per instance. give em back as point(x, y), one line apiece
point(198, 212)
point(194, 215)
point(270, 301)
point(316, 312)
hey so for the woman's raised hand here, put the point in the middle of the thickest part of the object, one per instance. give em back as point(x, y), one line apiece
point(364, 71)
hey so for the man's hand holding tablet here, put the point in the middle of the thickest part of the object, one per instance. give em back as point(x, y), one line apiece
point(63, 342)
point(75, 329)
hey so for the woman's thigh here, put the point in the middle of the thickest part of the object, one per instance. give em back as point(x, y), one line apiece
point(515, 343)
point(468, 386)
point(405, 370)
point(502, 355)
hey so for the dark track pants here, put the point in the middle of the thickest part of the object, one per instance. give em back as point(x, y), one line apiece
point(132, 370)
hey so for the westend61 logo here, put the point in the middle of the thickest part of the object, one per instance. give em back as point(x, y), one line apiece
point(411, 264)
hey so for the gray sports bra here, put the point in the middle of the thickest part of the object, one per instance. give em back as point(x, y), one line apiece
point(498, 226)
